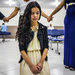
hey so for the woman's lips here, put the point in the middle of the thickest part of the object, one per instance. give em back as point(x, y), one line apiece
point(35, 19)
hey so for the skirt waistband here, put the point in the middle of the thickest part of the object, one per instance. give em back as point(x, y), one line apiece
point(71, 3)
point(33, 50)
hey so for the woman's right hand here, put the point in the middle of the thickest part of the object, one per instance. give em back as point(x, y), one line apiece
point(6, 19)
point(34, 69)
point(50, 18)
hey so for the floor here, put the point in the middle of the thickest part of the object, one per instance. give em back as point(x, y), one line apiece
point(9, 57)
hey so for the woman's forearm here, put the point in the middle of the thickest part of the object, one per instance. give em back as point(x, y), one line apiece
point(26, 58)
point(14, 13)
point(44, 15)
point(44, 55)
point(58, 8)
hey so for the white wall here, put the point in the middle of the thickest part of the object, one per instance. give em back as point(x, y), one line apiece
point(57, 21)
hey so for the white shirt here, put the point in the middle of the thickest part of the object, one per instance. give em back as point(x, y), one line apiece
point(21, 4)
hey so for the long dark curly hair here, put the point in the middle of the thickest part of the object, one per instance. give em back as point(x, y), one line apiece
point(24, 30)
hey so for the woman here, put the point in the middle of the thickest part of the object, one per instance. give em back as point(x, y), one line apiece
point(33, 42)
point(21, 5)
point(69, 40)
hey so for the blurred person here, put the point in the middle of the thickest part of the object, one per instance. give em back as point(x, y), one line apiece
point(3, 28)
point(21, 6)
point(50, 27)
point(69, 37)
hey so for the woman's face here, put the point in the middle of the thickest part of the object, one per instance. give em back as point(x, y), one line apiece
point(35, 13)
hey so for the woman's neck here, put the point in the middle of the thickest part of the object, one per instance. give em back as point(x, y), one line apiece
point(34, 24)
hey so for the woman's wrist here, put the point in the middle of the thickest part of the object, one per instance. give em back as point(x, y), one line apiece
point(46, 16)
point(30, 65)
point(41, 61)
point(9, 17)
point(51, 15)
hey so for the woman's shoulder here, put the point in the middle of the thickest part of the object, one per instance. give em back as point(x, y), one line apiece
point(41, 25)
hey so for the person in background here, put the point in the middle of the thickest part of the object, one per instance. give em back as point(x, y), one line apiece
point(50, 27)
point(20, 6)
point(3, 28)
point(69, 35)
point(33, 42)
point(2, 17)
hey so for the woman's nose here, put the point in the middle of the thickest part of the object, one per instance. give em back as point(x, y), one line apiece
point(35, 14)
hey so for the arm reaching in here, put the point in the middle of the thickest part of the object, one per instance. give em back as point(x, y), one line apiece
point(44, 15)
point(59, 7)
point(14, 13)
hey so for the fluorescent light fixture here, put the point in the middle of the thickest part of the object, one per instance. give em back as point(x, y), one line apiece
point(10, 2)
point(55, 3)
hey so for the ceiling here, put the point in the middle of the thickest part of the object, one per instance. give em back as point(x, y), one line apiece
point(43, 3)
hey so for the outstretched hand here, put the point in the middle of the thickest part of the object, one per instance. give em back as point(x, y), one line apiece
point(6, 19)
point(50, 18)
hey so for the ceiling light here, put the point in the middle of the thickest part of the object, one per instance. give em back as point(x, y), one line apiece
point(55, 3)
point(10, 2)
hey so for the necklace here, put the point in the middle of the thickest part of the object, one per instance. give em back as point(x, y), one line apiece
point(34, 28)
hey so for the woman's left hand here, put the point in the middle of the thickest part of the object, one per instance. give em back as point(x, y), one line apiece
point(40, 66)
